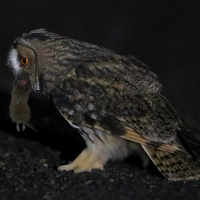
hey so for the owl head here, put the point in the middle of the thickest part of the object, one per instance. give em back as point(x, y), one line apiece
point(26, 55)
point(49, 58)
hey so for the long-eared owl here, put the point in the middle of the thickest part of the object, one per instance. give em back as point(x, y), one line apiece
point(114, 101)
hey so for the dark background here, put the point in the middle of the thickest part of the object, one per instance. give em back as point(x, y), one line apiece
point(164, 34)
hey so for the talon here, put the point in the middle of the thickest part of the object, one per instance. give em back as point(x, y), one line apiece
point(86, 161)
point(63, 168)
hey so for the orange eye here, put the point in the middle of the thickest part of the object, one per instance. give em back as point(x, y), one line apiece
point(24, 61)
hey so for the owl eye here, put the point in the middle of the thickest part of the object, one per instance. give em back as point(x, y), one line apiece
point(24, 61)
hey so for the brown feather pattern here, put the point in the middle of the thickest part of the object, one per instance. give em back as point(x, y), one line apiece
point(110, 98)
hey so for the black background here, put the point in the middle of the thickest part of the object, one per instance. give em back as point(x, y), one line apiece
point(164, 34)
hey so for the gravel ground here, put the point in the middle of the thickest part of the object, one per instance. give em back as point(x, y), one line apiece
point(163, 34)
point(28, 163)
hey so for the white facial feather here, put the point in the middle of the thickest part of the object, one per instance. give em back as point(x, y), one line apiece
point(37, 84)
point(13, 59)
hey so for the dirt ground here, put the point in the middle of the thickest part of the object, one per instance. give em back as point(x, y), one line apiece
point(163, 34)
point(28, 162)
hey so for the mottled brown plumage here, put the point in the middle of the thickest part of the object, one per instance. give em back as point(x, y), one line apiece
point(114, 101)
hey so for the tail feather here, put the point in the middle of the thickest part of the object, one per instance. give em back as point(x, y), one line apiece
point(172, 160)
point(190, 142)
point(174, 167)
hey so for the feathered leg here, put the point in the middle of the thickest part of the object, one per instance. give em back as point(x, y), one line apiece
point(86, 161)
point(100, 148)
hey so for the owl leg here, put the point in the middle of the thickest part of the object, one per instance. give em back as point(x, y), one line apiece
point(86, 161)
point(101, 147)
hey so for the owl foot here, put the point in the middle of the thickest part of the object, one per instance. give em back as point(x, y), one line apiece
point(86, 161)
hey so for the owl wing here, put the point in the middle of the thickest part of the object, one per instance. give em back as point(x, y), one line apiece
point(127, 105)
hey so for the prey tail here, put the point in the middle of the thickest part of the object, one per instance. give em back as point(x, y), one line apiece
point(174, 166)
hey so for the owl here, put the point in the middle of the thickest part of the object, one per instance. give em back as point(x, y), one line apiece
point(114, 102)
